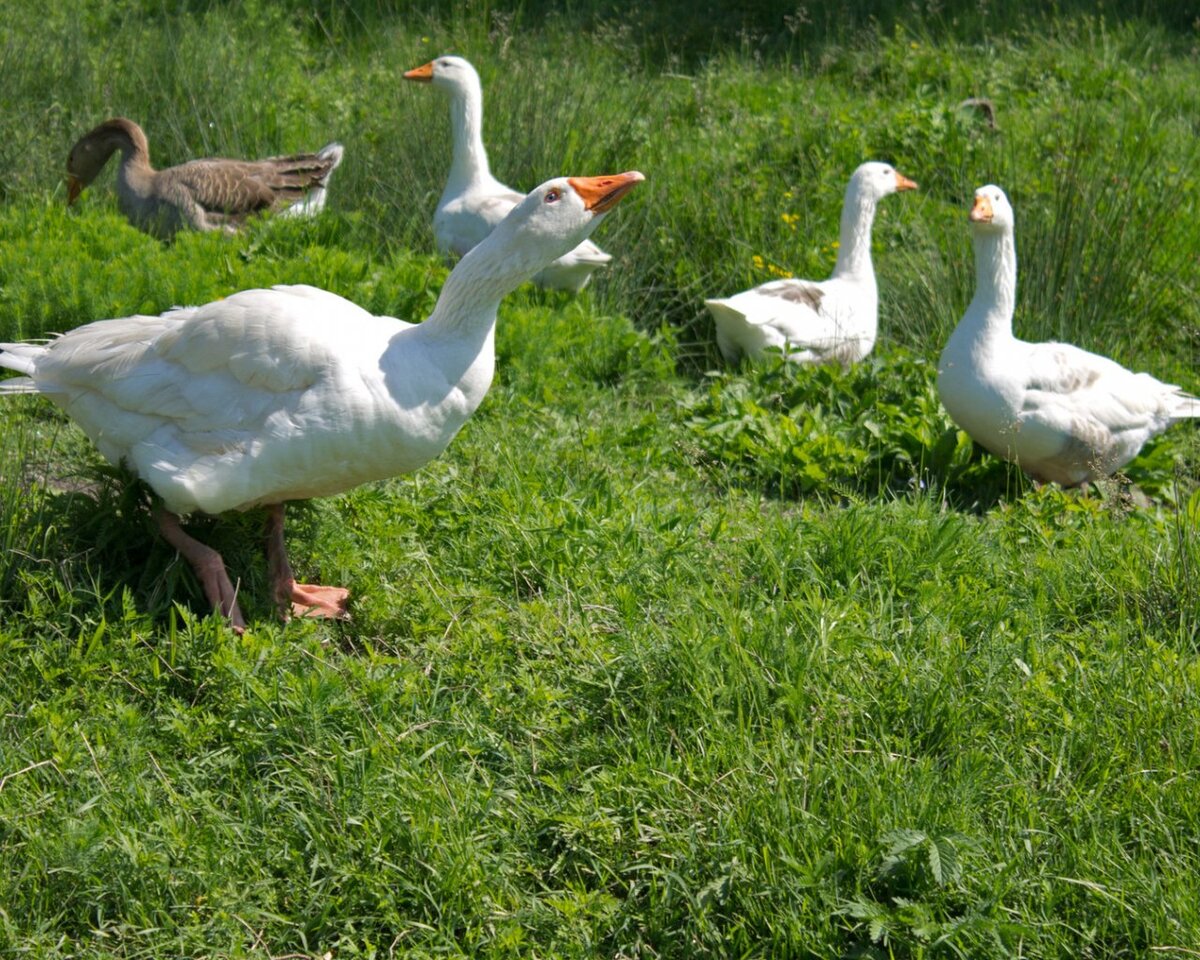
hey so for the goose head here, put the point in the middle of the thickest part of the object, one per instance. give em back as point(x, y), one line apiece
point(555, 217)
point(878, 180)
point(991, 212)
point(91, 152)
point(447, 73)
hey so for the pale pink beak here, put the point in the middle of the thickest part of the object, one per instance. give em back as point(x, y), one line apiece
point(981, 212)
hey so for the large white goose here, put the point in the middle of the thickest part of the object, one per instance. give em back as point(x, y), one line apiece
point(1060, 413)
point(474, 201)
point(294, 392)
point(211, 194)
point(811, 321)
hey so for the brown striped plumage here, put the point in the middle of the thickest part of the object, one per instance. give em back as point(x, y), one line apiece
point(211, 194)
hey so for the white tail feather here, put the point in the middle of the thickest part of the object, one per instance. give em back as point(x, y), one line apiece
point(17, 385)
point(21, 357)
point(333, 150)
point(314, 202)
point(1186, 406)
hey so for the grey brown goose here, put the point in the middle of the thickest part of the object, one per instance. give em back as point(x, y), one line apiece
point(210, 194)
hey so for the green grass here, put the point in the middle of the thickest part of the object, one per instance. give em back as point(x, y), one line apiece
point(659, 659)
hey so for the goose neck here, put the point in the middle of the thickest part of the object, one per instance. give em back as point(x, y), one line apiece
point(131, 141)
point(470, 162)
point(854, 248)
point(466, 308)
point(995, 280)
point(135, 176)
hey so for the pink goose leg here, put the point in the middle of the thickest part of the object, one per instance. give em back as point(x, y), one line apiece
point(298, 599)
point(208, 566)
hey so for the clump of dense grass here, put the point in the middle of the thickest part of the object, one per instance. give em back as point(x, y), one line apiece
point(876, 427)
point(655, 661)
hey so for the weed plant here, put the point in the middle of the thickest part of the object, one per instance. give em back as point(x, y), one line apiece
point(660, 659)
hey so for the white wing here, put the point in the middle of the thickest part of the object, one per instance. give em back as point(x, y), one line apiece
point(812, 322)
point(1086, 385)
point(183, 396)
point(462, 222)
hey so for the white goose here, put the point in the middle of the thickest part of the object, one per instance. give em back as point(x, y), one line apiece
point(1060, 413)
point(211, 194)
point(293, 392)
point(810, 321)
point(474, 201)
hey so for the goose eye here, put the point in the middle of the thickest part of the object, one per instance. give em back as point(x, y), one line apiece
point(553, 196)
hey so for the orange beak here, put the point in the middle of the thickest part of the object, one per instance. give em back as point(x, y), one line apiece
point(74, 188)
point(601, 194)
point(422, 74)
point(981, 212)
point(903, 183)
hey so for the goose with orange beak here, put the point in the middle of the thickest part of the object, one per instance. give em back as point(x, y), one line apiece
point(1062, 414)
point(834, 320)
point(474, 201)
point(283, 394)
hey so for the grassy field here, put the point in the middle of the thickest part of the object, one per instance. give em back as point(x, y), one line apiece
point(661, 658)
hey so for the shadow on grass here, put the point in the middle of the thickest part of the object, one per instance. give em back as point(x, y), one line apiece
point(81, 543)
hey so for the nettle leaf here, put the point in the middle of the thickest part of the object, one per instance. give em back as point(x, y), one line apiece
point(862, 910)
point(941, 854)
point(904, 839)
point(935, 862)
point(943, 860)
